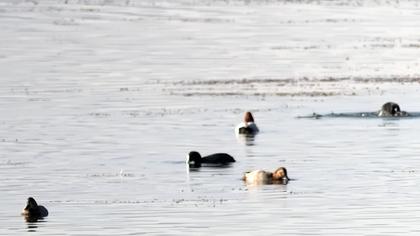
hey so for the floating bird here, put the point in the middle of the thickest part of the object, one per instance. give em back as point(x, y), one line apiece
point(248, 126)
point(195, 160)
point(265, 177)
point(33, 211)
point(391, 109)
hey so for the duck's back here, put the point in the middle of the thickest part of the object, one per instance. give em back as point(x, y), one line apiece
point(246, 128)
point(218, 158)
point(258, 177)
point(43, 212)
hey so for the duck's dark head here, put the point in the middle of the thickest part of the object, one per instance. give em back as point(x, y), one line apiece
point(280, 174)
point(248, 117)
point(391, 109)
point(31, 204)
point(194, 159)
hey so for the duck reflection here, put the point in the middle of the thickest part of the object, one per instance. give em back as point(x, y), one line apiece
point(32, 226)
point(247, 139)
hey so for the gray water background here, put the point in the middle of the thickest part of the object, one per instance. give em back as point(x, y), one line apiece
point(101, 101)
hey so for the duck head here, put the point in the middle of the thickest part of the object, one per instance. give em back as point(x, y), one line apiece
point(390, 109)
point(280, 174)
point(248, 117)
point(194, 159)
point(30, 205)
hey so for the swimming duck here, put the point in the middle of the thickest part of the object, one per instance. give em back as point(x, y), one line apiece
point(195, 160)
point(265, 177)
point(248, 126)
point(33, 210)
point(391, 109)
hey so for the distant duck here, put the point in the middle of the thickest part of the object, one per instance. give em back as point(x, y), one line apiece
point(195, 160)
point(33, 210)
point(248, 126)
point(257, 177)
point(390, 109)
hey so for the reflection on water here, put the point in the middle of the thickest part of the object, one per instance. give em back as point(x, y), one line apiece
point(32, 227)
point(33, 223)
point(280, 187)
point(247, 139)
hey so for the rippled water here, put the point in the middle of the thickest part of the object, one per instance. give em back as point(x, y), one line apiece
point(102, 100)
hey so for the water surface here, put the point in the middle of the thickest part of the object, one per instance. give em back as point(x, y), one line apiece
point(102, 100)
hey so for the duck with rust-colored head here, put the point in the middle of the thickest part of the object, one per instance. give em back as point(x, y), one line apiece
point(218, 159)
point(248, 126)
point(257, 177)
point(391, 109)
point(33, 211)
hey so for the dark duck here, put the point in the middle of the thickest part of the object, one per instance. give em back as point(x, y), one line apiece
point(391, 109)
point(218, 159)
point(33, 211)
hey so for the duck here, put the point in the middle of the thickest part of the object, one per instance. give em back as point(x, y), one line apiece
point(248, 125)
point(195, 160)
point(258, 177)
point(33, 210)
point(391, 109)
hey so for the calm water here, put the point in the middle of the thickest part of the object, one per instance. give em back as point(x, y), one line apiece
point(102, 100)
